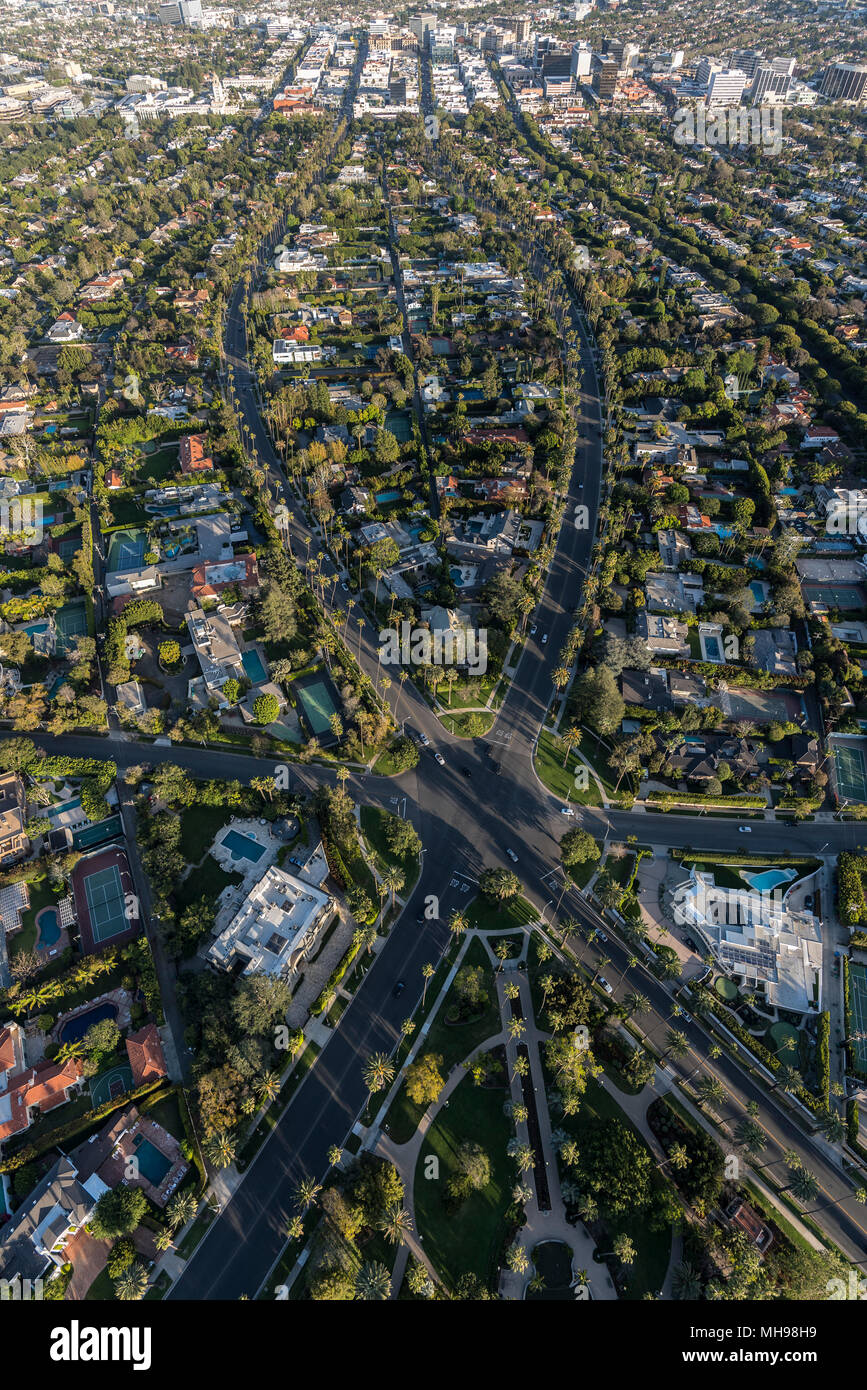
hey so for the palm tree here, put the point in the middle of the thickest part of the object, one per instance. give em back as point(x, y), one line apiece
point(677, 1043)
point(378, 1072)
point(373, 1282)
point(428, 973)
point(269, 1086)
point(458, 923)
point(295, 1228)
point(132, 1283)
point(220, 1150)
point(750, 1136)
point(394, 881)
point(686, 1282)
point(570, 738)
point(833, 1127)
point(181, 1209)
point(306, 1192)
point(395, 1224)
point(163, 1239)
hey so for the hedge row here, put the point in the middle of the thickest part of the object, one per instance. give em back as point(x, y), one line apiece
point(335, 977)
point(757, 1048)
point(850, 887)
point(55, 1137)
point(823, 1055)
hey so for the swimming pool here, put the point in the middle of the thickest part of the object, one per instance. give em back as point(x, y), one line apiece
point(75, 1029)
point(243, 846)
point(254, 666)
point(61, 806)
point(387, 496)
point(49, 929)
point(152, 1162)
point(771, 878)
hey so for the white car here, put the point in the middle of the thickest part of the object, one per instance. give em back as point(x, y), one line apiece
point(603, 984)
point(424, 740)
point(544, 638)
point(745, 830)
point(566, 811)
point(512, 855)
point(440, 759)
point(533, 630)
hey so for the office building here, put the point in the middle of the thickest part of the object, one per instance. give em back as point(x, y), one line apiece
point(844, 82)
point(726, 87)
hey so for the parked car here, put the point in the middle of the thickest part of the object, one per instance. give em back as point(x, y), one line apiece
point(512, 855)
point(600, 936)
point(544, 638)
point(533, 630)
point(603, 984)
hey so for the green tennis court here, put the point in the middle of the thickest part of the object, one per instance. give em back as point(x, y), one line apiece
point(106, 903)
point(71, 622)
point(110, 1084)
point(846, 597)
point(317, 705)
point(858, 1005)
point(851, 770)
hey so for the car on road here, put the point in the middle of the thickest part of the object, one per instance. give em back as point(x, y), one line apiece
point(344, 586)
point(512, 855)
point(603, 984)
point(689, 943)
point(399, 988)
point(566, 811)
point(745, 830)
point(440, 759)
point(466, 772)
point(600, 936)
point(424, 740)
point(544, 638)
point(533, 630)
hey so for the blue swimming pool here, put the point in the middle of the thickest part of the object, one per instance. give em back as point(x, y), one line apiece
point(254, 666)
point(772, 878)
point(152, 1162)
point(243, 847)
point(387, 496)
point(75, 1029)
point(49, 929)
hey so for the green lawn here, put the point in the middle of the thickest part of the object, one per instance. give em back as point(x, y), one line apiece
point(199, 827)
point(488, 916)
point(653, 1247)
point(41, 895)
point(452, 1042)
point(548, 762)
point(471, 1239)
point(207, 880)
point(196, 1231)
point(373, 824)
point(468, 725)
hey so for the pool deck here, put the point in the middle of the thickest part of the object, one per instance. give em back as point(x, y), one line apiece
point(120, 997)
point(123, 1133)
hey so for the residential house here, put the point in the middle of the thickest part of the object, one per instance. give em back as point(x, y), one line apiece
point(36, 1235)
point(14, 843)
point(193, 454)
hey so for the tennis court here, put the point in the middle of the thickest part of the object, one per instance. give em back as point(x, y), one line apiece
point(318, 706)
point(106, 903)
point(851, 771)
point(858, 1003)
point(846, 597)
point(126, 551)
point(71, 622)
point(110, 1084)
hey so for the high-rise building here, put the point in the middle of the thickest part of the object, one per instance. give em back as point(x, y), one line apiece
point(726, 87)
point(772, 79)
point(581, 60)
point(522, 30)
point(397, 91)
point(747, 59)
point(604, 77)
point(844, 82)
point(613, 48)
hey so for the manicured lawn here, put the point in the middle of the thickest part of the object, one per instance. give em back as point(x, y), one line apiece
point(41, 895)
point(653, 1247)
point(207, 880)
point(488, 916)
point(468, 725)
point(167, 1113)
point(548, 762)
point(373, 823)
point(619, 866)
point(471, 1239)
point(199, 826)
point(159, 1288)
point(101, 1290)
point(452, 1042)
point(581, 874)
point(387, 766)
